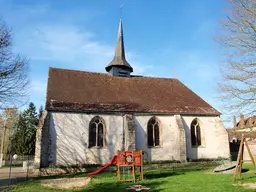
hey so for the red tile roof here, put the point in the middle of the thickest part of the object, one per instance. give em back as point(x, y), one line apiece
point(71, 90)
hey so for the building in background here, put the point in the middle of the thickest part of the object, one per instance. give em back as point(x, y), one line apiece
point(244, 125)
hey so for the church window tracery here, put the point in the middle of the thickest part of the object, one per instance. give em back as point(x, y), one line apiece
point(96, 132)
point(153, 130)
point(195, 133)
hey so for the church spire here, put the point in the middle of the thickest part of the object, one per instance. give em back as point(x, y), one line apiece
point(119, 63)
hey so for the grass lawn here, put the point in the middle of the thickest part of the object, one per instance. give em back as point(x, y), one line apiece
point(182, 180)
point(7, 166)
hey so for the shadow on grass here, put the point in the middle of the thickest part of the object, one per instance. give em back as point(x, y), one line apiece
point(249, 177)
point(106, 181)
point(81, 174)
point(161, 174)
point(171, 172)
point(13, 181)
point(245, 170)
point(168, 173)
point(117, 187)
point(148, 174)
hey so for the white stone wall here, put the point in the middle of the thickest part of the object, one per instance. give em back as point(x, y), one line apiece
point(214, 138)
point(69, 135)
point(169, 138)
point(69, 138)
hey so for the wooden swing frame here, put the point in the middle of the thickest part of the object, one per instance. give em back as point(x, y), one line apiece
point(239, 161)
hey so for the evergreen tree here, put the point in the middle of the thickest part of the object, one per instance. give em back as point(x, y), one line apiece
point(25, 136)
point(40, 112)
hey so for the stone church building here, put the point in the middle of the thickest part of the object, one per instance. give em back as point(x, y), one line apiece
point(90, 116)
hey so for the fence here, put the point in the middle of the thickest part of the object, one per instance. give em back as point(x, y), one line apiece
point(20, 169)
point(18, 161)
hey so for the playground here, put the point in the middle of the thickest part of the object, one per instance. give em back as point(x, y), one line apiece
point(128, 173)
point(194, 177)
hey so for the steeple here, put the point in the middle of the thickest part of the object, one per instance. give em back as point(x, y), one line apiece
point(119, 66)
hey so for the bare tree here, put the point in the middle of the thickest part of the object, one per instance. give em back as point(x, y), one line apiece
point(13, 70)
point(8, 119)
point(238, 86)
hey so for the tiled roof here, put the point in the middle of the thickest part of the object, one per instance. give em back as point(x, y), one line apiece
point(71, 90)
point(248, 122)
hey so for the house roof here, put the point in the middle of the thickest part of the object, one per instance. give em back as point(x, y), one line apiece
point(248, 122)
point(71, 90)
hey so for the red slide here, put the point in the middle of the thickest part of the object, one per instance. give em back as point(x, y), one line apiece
point(112, 162)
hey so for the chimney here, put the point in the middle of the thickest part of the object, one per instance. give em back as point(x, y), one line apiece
point(234, 121)
point(249, 124)
point(241, 124)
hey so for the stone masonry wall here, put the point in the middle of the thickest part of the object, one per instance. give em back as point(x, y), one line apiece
point(130, 143)
point(215, 143)
point(70, 139)
point(182, 138)
point(62, 138)
point(42, 139)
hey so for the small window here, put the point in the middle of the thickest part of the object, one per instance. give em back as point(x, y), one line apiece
point(96, 132)
point(153, 132)
point(195, 133)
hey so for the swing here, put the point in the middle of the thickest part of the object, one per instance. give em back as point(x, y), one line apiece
point(239, 162)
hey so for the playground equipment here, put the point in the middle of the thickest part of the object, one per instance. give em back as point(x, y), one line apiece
point(111, 162)
point(239, 162)
point(226, 166)
point(127, 163)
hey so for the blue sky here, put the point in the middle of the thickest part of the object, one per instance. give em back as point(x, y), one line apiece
point(164, 38)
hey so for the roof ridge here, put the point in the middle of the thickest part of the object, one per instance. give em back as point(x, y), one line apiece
point(102, 73)
point(152, 77)
point(77, 70)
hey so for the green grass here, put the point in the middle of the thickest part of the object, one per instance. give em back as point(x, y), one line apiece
point(8, 166)
point(182, 180)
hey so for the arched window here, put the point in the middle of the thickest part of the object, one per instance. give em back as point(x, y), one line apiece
point(195, 133)
point(96, 132)
point(153, 132)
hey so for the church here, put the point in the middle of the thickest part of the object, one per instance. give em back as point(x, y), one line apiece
point(90, 116)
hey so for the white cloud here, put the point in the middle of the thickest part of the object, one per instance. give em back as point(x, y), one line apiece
point(62, 43)
point(69, 45)
point(71, 48)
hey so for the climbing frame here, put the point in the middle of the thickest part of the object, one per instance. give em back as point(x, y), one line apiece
point(127, 161)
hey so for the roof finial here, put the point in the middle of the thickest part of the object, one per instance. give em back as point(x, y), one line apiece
point(121, 11)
